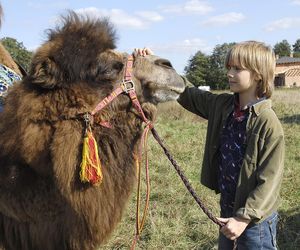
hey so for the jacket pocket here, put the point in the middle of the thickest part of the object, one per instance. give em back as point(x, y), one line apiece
point(251, 151)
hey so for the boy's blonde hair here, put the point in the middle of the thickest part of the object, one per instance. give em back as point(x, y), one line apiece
point(259, 59)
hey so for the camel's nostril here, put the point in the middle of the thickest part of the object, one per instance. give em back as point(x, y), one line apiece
point(164, 63)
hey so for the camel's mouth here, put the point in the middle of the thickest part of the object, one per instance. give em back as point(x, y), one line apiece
point(157, 92)
point(177, 90)
point(156, 87)
point(165, 94)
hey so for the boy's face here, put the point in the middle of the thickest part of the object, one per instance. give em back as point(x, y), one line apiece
point(241, 80)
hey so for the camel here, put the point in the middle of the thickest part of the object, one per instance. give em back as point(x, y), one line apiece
point(44, 204)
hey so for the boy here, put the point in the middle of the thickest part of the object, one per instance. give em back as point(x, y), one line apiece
point(244, 151)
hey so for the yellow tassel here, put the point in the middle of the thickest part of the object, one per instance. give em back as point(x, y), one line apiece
point(90, 168)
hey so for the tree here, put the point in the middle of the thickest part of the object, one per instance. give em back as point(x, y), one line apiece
point(216, 75)
point(18, 51)
point(209, 70)
point(196, 69)
point(296, 48)
point(282, 48)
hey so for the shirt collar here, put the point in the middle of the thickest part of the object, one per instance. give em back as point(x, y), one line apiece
point(238, 113)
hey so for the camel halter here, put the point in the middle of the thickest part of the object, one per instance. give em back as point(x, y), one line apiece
point(127, 86)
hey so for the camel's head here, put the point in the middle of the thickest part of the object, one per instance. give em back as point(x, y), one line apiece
point(82, 51)
point(157, 78)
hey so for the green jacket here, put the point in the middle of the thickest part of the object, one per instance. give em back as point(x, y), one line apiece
point(257, 193)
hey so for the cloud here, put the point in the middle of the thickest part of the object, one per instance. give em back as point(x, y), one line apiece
point(295, 2)
point(284, 23)
point(193, 6)
point(122, 19)
point(224, 20)
point(150, 15)
point(179, 52)
point(185, 46)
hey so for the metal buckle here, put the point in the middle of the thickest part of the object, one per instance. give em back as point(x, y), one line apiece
point(88, 120)
point(127, 86)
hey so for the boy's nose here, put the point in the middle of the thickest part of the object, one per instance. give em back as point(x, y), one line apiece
point(229, 75)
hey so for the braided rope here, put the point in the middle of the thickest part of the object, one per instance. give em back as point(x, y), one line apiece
point(185, 180)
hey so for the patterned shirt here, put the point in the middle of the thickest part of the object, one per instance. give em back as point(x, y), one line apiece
point(232, 150)
point(7, 78)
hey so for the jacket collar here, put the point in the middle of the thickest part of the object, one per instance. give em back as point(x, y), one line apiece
point(259, 107)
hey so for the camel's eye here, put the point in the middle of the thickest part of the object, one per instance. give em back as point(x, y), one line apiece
point(118, 66)
point(164, 63)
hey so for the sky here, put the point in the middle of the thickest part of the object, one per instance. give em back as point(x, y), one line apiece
point(175, 30)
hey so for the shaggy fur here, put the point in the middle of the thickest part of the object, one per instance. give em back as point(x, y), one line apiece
point(43, 204)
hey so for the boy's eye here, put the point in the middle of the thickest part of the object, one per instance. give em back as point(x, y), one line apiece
point(235, 68)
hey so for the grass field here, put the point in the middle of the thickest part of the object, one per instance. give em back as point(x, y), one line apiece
point(174, 220)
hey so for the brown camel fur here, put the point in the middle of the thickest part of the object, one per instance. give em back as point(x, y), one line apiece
point(43, 203)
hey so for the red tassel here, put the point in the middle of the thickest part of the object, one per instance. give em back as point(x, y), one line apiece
point(90, 166)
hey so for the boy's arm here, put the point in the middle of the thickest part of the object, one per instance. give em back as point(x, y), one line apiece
point(195, 100)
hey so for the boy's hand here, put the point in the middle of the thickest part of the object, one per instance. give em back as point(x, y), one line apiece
point(233, 227)
point(143, 52)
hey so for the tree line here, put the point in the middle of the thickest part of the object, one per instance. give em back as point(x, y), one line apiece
point(18, 51)
point(210, 70)
point(201, 69)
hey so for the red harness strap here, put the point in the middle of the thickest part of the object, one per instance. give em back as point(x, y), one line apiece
point(137, 106)
point(128, 70)
point(127, 86)
point(107, 100)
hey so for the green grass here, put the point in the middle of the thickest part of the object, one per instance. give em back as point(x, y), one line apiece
point(174, 220)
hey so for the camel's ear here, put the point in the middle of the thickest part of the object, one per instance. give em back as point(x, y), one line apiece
point(109, 70)
point(45, 73)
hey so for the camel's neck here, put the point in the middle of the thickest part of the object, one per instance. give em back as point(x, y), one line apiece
point(7, 60)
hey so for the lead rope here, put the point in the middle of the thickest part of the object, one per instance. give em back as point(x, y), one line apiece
point(188, 185)
point(139, 225)
point(137, 106)
point(185, 180)
point(128, 87)
point(149, 126)
point(143, 145)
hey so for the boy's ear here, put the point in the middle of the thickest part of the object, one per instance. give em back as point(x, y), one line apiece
point(257, 77)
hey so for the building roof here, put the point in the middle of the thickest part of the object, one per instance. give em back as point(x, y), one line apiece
point(293, 72)
point(287, 59)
